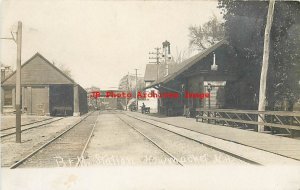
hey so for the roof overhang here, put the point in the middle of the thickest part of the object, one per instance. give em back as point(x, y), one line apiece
point(193, 60)
point(187, 64)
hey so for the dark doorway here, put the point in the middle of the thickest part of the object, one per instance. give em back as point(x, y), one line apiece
point(61, 100)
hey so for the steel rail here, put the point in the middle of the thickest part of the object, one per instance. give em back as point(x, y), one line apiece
point(86, 144)
point(27, 124)
point(217, 138)
point(150, 140)
point(203, 143)
point(9, 134)
point(47, 143)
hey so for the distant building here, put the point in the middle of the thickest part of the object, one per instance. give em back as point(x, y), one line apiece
point(152, 73)
point(5, 71)
point(128, 84)
point(93, 102)
point(46, 90)
point(109, 100)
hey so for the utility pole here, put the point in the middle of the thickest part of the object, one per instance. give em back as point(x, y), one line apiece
point(265, 65)
point(157, 53)
point(127, 89)
point(18, 41)
point(136, 91)
point(18, 84)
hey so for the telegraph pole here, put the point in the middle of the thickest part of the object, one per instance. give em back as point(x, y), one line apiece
point(265, 64)
point(18, 84)
point(18, 79)
point(136, 86)
point(127, 89)
point(157, 53)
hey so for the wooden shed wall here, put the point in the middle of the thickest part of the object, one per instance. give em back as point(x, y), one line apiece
point(83, 104)
point(39, 71)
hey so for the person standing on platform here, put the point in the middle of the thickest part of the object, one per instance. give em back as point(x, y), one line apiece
point(143, 107)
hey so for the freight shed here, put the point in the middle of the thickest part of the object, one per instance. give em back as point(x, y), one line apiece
point(46, 90)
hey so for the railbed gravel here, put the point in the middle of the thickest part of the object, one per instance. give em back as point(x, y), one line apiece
point(186, 151)
point(12, 152)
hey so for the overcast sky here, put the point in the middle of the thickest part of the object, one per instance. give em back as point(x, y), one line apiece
point(99, 41)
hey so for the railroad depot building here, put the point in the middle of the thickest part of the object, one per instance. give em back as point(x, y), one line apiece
point(216, 67)
point(46, 90)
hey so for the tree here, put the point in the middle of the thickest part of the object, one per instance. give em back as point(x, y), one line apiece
point(202, 37)
point(180, 56)
point(285, 58)
point(64, 69)
point(244, 24)
point(127, 83)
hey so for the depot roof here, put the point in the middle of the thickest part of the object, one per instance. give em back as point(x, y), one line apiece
point(187, 64)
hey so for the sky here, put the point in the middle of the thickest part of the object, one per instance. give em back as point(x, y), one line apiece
point(99, 41)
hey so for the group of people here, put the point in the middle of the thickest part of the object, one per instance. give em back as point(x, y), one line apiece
point(144, 109)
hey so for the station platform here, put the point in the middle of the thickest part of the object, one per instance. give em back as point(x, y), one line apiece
point(283, 146)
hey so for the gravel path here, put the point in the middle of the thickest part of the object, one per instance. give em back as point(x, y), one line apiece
point(115, 143)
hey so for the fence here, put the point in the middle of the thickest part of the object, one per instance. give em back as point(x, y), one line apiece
point(278, 122)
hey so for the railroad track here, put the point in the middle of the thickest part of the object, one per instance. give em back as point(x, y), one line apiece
point(200, 142)
point(11, 131)
point(86, 144)
point(274, 158)
point(27, 124)
point(152, 141)
point(64, 150)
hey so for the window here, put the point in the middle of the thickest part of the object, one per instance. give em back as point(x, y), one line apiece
point(7, 97)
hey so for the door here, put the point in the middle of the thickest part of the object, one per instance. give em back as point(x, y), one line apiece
point(40, 100)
